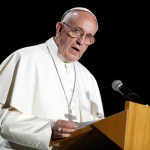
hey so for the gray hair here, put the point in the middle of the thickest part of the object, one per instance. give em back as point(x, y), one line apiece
point(82, 9)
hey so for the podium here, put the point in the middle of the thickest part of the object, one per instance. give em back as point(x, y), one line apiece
point(126, 130)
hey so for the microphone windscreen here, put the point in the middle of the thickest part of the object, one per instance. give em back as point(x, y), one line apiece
point(116, 84)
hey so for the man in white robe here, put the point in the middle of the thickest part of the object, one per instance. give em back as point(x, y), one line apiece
point(40, 84)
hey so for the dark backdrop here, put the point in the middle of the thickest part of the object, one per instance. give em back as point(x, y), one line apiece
point(121, 50)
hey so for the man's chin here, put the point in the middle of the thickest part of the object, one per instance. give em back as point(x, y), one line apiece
point(72, 59)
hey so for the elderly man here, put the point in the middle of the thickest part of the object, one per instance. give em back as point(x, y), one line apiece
point(45, 90)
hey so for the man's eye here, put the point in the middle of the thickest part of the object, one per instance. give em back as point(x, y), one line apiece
point(76, 31)
point(89, 36)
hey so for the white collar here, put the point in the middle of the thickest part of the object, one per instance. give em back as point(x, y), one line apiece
point(55, 51)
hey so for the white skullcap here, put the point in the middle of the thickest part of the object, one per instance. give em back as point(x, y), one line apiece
point(80, 8)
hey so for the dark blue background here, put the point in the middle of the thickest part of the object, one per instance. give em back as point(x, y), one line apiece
point(121, 50)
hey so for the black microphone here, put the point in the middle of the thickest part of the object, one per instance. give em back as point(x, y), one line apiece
point(128, 94)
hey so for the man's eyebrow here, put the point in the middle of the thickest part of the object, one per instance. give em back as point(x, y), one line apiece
point(77, 28)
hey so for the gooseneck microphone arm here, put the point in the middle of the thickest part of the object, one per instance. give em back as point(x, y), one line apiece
point(128, 94)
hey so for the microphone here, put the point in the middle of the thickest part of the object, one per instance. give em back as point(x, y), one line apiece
point(128, 94)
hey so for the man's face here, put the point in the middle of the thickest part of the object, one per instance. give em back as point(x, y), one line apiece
point(72, 47)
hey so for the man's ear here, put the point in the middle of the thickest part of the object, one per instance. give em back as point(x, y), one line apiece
point(58, 27)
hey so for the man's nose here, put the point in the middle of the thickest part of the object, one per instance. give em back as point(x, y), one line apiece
point(81, 39)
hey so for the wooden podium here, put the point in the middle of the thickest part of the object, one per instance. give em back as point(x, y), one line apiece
point(126, 130)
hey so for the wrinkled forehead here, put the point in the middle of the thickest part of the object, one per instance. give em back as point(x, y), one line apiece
point(81, 9)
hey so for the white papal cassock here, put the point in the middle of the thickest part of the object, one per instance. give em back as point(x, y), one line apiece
point(33, 98)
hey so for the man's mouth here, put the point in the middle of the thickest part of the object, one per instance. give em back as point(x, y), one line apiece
point(76, 49)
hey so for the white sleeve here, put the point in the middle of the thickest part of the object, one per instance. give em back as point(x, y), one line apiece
point(25, 129)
